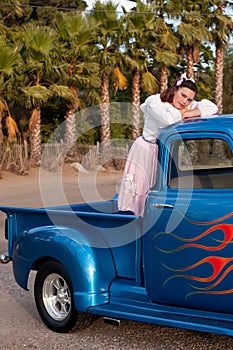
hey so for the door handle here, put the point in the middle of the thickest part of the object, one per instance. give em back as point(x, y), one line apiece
point(158, 205)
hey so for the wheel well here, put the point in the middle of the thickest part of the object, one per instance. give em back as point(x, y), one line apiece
point(38, 263)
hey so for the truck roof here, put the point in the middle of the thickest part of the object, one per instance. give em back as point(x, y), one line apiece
point(218, 123)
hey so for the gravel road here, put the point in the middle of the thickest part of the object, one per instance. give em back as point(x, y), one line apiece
point(21, 326)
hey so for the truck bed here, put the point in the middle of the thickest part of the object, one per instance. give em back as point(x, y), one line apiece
point(104, 209)
point(120, 231)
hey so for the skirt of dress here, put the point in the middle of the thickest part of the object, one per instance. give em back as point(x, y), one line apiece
point(138, 177)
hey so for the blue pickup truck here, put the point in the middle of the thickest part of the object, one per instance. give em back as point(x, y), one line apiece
point(173, 266)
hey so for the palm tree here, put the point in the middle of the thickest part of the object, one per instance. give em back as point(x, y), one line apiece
point(221, 27)
point(138, 25)
point(76, 43)
point(107, 33)
point(163, 45)
point(163, 52)
point(9, 61)
point(150, 48)
point(228, 83)
point(39, 74)
point(191, 31)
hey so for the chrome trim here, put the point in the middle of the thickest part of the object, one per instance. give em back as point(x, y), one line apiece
point(112, 321)
point(4, 259)
point(158, 205)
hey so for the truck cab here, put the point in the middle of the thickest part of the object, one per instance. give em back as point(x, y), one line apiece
point(188, 218)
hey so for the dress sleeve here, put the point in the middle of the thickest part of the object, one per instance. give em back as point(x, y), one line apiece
point(206, 107)
point(163, 112)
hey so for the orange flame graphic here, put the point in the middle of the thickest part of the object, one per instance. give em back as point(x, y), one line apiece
point(228, 236)
point(217, 263)
point(207, 222)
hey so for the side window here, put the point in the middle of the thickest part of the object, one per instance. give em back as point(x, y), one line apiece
point(201, 163)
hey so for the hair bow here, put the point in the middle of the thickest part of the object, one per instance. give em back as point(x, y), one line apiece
point(182, 78)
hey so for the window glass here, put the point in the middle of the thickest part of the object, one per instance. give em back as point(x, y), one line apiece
point(201, 163)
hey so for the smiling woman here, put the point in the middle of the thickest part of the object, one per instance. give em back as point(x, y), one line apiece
point(160, 110)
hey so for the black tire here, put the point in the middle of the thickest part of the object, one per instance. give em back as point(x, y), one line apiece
point(53, 294)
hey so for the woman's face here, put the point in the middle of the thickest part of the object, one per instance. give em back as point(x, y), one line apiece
point(183, 97)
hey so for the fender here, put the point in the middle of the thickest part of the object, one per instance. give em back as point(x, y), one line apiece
point(90, 268)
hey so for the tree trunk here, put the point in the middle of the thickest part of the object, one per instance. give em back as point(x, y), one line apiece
point(163, 79)
point(136, 104)
point(1, 141)
point(218, 148)
point(192, 146)
point(35, 136)
point(104, 109)
point(70, 133)
point(219, 78)
point(1, 127)
point(190, 62)
point(106, 154)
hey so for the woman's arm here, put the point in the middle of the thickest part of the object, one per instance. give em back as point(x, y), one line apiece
point(192, 113)
point(206, 108)
point(162, 112)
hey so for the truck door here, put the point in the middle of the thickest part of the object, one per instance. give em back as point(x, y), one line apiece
point(188, 239)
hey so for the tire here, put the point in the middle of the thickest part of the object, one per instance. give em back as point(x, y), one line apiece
point(54, 299)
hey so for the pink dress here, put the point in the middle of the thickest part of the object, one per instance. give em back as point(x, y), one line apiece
point(138, 176)
point(140, 169)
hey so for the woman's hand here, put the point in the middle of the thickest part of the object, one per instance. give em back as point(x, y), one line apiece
point(183, 110)
point(192, 113)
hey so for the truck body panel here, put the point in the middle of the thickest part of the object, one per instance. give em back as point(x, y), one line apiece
point(130, 301)
point(81, 241)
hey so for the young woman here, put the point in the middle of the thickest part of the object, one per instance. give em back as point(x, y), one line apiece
point(160, 110)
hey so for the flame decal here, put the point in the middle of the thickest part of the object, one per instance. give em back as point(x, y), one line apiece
point(221, 266)
point(228, 236)
point(217, 263)
point(227, 216)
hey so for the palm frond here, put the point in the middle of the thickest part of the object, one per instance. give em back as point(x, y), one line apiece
point(169, 40)
point(12, 128)
point(149, 82)
point(120, 81)
point(61, 91)
point(8, 60)
point(191, 33)
point(166, 58)
point(36, 94)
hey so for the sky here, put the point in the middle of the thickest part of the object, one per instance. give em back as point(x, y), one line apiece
point(127, 4)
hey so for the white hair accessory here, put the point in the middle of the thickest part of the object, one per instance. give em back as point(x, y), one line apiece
point(182, 78)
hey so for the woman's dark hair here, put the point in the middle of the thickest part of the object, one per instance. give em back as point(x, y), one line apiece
point(168, 94)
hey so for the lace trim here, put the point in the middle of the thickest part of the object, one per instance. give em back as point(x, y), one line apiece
point(130, 185)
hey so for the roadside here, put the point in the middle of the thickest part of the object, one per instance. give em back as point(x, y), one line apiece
point(42, 188)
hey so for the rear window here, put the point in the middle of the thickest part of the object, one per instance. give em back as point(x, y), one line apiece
point(201, 163)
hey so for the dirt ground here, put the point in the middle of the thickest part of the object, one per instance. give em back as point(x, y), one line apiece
point(20, 324)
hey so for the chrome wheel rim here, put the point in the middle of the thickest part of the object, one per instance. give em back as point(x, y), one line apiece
point(56, 297)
